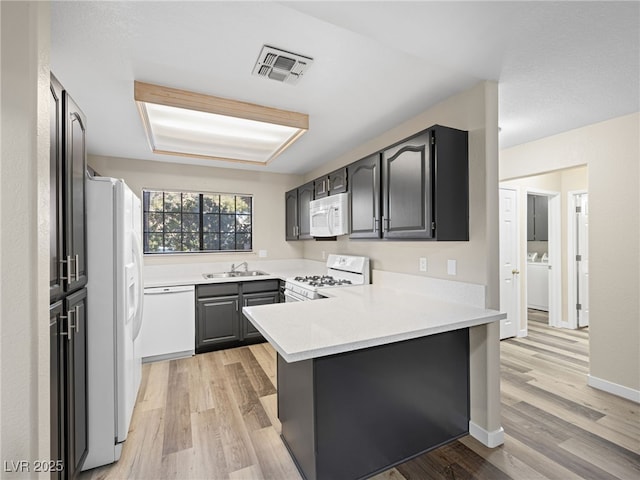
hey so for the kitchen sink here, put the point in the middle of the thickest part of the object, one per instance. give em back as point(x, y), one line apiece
point(249, 273)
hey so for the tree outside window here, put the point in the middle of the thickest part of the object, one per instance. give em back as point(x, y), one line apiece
point(195, 222)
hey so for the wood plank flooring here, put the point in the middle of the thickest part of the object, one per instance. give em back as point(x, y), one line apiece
point(213, 416)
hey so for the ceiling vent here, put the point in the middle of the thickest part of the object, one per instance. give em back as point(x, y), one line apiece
point(280, 65)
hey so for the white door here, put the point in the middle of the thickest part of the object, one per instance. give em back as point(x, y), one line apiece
point(582, 259)
point(509, 270)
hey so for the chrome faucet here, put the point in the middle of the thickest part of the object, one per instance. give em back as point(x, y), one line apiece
point(233, 267)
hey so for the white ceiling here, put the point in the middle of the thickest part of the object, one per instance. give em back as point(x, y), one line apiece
point(560, 65)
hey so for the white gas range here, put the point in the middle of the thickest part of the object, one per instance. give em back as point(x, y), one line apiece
point(342, 271)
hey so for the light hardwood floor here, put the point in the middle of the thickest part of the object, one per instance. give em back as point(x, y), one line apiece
point(213, 416)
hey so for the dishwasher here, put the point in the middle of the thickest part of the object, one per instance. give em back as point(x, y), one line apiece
point(168, 326)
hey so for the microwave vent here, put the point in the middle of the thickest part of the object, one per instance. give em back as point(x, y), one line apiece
point(280, 65)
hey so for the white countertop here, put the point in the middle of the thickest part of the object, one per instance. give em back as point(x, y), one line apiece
point(359, 317)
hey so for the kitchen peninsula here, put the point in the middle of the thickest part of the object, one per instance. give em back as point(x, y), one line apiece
point(370, 376)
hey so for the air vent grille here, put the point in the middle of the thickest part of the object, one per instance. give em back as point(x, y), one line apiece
point(281, 65)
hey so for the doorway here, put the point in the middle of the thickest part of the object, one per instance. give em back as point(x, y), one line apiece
point(578, 258)
point(543, 268)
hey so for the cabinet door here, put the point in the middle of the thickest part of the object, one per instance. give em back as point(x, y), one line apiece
point(56, 377)
point(337, 181)
point(74, 177)
point(56, 230)
point(251, 300)
point(217, 321)
point(407, 190)
point(531, 212)
point(364, 178)
point(76, 380)
point(291, 215)
point(541, 218)
point(320, 187)
point(305, 195)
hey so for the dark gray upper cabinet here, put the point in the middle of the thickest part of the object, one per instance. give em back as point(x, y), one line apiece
point(297, 220)
point(406, 205)
point(305, 195)
point(56, 231)
point(537, 218)
point(425, 192)
point(67, 173)
point(75, 154)
point(364, 182)
point(291, 214)
point(332, 184)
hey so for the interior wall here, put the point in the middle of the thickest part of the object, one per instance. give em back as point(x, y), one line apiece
point(466, 112)
point(268, 191)
point(561, 181)
point(476, 111)
point(24, 234)
point(611, 151)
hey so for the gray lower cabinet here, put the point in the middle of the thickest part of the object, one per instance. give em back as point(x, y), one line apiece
point(219, 320)
point(68, 383)
point(252, 300)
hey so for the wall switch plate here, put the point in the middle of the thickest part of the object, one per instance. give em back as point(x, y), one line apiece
point(262, 253)
point(452, 267)
point(423, 264)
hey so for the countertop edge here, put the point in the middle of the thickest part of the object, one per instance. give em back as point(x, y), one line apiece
point(373, 342)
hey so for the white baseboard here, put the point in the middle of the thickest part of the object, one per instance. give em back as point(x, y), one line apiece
point(490, 439)
point(614, 388)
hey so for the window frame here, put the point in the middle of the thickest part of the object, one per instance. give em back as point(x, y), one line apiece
point(146, 210)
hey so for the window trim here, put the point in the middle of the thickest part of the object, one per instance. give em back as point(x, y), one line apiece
point(200, 193)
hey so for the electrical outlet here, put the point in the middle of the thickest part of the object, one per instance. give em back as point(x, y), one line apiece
point(423, 264)
point(452, 267)
point(262, 253)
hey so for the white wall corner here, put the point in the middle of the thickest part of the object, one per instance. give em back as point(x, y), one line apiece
point(490, 439)
point(614, 388)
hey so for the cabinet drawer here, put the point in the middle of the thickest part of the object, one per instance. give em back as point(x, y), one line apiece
point(261, 286)
point(217, 289)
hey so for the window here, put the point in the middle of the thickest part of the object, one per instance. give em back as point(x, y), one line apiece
point(195, 222)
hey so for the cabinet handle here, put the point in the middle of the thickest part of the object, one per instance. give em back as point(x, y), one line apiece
point(375, 224)
point(76, 269)
point(328, 184)
point(70, 324)
point(77, 318)
point(385, 224)
point(237, 306)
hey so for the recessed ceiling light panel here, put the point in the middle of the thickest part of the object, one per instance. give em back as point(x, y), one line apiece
point(281, 65)
point(184, 123)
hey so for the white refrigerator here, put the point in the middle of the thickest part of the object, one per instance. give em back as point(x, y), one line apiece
point(114, 308)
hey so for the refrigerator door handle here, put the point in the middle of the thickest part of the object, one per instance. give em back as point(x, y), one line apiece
point(137, 253)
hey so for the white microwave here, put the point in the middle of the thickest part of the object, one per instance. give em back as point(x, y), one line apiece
point(329, 216)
